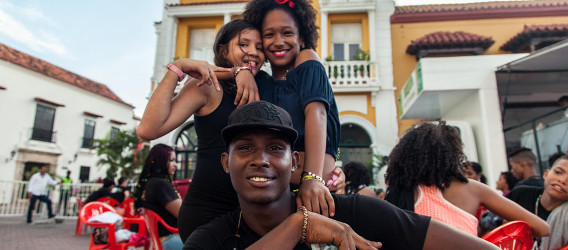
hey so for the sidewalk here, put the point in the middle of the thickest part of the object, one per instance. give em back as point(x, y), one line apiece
point(15, 233)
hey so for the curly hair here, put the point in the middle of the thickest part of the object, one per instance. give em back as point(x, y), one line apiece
point(229, 31)
point(428, 154)
point(356, 174)
point(303, 13)
point(156, 165)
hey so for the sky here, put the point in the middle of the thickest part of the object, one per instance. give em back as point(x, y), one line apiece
point(108, 41)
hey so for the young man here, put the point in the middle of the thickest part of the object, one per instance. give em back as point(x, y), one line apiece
point(108, 185)
point(37, 190)
point(523, 166)
point(260, 161)
point(549, 203)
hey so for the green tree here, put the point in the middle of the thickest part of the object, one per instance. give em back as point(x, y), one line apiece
point(121, 153)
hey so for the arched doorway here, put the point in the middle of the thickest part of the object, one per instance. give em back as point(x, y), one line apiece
point(186, 152)
point(355, 144)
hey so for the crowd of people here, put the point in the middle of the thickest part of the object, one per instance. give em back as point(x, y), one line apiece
point(265, 174)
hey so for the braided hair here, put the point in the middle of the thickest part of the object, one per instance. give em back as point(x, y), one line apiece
point(428, 154)
point(302, 12)
point(156, 165)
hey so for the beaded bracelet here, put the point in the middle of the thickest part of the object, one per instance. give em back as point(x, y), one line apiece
point(305, 224)
point(311, 176)
point(241, 68)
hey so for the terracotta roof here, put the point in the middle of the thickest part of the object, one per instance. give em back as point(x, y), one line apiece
point(485, 10)
point(449, 40)
point(523, 39)
point(35, 64)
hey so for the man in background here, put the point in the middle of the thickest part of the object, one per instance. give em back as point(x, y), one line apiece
point(65, 192)
point(523, 167)
point(37, 190)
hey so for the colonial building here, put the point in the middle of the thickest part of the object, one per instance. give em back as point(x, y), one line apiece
point(355, 47)
point(469, 63)
point(50, 116)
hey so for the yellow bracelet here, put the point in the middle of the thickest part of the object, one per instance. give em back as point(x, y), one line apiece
point(311, 176)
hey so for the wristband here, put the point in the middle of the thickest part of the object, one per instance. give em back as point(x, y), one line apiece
point(241, 68)
point(304, 224)
point(176, 70)
point(311, 176)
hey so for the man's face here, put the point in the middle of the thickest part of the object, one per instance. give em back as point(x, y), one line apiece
point(260, 165)
point(516, 169)
point(556, 181)
point(42, 169)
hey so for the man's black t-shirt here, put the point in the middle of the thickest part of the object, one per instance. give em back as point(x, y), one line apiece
point(102, 192)
point(533, 181)
point(526, 196)
point(374, 219)
point(158, 193)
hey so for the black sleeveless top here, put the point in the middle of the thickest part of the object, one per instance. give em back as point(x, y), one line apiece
point(209, 179)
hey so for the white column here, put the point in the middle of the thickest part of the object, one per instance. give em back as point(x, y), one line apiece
point(372, 47)
point(324, 29)
point(227, 18)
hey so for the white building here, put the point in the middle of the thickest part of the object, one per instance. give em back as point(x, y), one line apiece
point(49, 116)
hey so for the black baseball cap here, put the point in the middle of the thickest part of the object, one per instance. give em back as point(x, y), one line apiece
point(259, 115)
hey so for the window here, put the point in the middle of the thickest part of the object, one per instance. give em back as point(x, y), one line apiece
point(89, 133)
point(84, 173)
point(43, 123)
point(113, 132)
point(186, 152)
point(201, 44)
point(346, 40)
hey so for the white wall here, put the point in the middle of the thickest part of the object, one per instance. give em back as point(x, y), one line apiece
point(18, 108)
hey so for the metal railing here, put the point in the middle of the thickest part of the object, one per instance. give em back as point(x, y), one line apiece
point(14, 199)
point(350, 73)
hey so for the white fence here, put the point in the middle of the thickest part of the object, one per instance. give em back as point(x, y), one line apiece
point(64, 197)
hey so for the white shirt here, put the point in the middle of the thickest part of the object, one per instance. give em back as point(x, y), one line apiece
point(38, 184)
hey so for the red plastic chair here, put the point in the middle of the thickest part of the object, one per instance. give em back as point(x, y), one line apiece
point(79, 228)
point(182, 186)
point(131, 218)
point(152, 219)
point(514, 235)
point(93, 209)
point(110, 201)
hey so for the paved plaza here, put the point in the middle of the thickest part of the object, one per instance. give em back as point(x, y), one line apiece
point(16, 234)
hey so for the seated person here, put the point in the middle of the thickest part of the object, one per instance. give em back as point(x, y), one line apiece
point(549, 203)
point(260, 161)
point(425, 174)
point(155, 191)
point(122, 191)
point(108, 185)
point(357, 179)
point(506, 182)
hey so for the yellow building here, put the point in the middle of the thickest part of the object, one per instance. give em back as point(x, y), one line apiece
point(469, 63)
point(363, 88)
point(499, 21)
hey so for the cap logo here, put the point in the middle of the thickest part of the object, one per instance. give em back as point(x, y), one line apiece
point(262, 114)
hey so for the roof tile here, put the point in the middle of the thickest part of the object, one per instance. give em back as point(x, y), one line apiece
point(27, 61)
point(449, 40)
point(522, 39)
point(478, 6)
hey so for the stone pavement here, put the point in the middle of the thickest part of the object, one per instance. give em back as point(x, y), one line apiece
point(15, 233)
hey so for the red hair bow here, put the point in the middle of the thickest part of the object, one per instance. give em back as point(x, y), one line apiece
point(290, 3)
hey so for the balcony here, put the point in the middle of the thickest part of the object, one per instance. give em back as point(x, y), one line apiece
point(43, 135)
point(352, 76)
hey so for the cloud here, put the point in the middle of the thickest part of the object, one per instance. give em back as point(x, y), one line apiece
point(34, 32)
